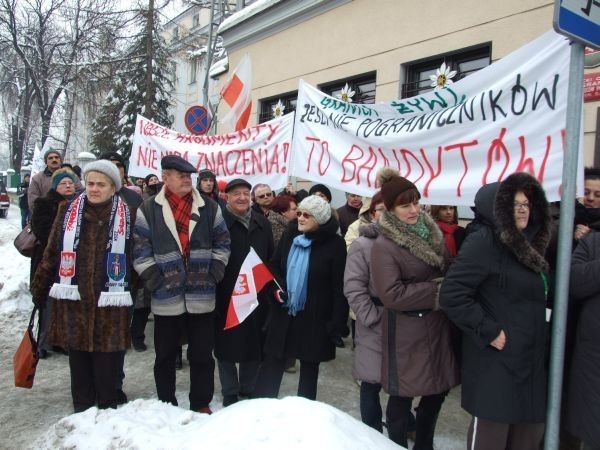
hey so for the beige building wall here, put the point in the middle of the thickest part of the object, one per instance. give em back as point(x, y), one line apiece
point(362, 36)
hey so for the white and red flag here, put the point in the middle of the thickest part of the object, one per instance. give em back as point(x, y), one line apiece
point(236, 93)
point(253, 276)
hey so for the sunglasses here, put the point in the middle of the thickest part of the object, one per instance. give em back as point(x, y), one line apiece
point(267, 195)
point(118, 164)
point(304, 214)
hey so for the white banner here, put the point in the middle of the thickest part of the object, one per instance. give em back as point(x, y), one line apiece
point(258, 154)
point(505, 118)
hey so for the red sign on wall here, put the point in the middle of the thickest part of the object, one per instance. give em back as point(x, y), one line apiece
point(591, 87)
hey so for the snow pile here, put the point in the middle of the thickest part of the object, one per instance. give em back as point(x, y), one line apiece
point(265, 424)
point(14, 282)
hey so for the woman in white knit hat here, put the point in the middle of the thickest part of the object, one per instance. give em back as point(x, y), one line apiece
point(86, 269)
point(311, 311)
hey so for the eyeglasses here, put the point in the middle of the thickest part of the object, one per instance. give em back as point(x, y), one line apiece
point(118, 164)
point(267, 195)
point(524, 206)
point(304, 214)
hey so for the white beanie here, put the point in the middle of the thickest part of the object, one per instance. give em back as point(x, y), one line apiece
point(316, 207)
point(107, 168)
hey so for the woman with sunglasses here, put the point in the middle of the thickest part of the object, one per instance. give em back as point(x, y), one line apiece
point(408, 261)
point(309, 265)
point(496, 291)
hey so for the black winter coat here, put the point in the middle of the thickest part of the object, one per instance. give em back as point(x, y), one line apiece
point(494, 284)
point(245, 341)
point(308, 335)
point(42, 218)
point(583, 416)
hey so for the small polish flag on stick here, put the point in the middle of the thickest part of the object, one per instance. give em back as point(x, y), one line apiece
point(253, 276)
point(236, 93)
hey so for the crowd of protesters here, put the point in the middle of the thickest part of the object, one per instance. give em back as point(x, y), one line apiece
point(432, 305)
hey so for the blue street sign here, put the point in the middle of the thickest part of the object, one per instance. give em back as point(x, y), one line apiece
point(579, 20)
point(197, 120)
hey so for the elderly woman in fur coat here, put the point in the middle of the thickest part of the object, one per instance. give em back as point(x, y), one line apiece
point(408, 261)
point(86, 270)
point(495, 291)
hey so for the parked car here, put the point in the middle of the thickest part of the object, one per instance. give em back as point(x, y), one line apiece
point(4, 200)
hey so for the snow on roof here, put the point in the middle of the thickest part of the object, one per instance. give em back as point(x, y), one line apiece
point(245, 13)
point(219, 67)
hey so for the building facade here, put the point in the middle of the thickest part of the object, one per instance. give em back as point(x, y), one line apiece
point(383, 49)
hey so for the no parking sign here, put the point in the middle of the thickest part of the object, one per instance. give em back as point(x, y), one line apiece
point(197, 120)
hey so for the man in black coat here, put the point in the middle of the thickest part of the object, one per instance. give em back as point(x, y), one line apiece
point(243, 343)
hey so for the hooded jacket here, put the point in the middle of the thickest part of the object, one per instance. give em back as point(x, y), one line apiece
point(496, 283)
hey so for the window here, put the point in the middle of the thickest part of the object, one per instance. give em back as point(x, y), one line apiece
point(362, 85)
point(266, 105)
point(193, 70)
point(464, 62)
point(196, 20)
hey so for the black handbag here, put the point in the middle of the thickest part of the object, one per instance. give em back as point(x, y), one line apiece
point(25, 241)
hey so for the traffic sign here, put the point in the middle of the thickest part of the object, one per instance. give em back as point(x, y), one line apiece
point(579, 20)
point(197, 120)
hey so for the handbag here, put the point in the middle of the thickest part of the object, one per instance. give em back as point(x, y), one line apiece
point(25, 241)
point(26, 357)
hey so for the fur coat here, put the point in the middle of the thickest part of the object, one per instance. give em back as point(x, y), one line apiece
point(82, 325)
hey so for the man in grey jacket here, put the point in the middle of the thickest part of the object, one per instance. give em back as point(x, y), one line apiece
point(182, 246)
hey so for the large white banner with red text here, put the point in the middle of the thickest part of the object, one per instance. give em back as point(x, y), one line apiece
point(258, 154)
point(505, 118)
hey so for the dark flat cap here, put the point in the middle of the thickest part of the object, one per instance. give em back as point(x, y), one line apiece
point(112, 156)
point(235, 183)
point(177, 163)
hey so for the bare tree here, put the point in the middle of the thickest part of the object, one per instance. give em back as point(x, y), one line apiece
point(53, 43)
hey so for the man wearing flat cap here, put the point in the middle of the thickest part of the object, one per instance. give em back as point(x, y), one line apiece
point(241, 344)
point(41, 182)
point(182, 247)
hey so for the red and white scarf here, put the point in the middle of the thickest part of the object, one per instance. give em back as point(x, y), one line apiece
point(116, 286)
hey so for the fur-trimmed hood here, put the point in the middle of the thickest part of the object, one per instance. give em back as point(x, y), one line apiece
point(430, 252)
point(495, 203)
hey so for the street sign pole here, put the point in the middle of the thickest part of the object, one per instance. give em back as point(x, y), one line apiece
point(565, 242)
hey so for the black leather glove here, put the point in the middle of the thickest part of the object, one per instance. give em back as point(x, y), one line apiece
point(152, 277)
point(38, 302)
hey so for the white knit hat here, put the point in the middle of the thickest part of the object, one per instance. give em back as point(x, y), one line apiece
point(316, 207)
point(107, 168)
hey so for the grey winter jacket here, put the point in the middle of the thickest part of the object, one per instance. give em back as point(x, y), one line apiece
point(362, 298)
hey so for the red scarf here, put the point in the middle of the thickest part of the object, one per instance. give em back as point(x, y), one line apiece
point(182, 210)
point(448, 230)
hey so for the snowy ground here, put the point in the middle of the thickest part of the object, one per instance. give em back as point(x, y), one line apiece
point(40, 417)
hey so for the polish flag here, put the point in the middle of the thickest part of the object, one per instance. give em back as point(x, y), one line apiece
point(236, 93)
point(253, 276)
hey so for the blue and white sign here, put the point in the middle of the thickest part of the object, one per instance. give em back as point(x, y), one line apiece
point(579, 20)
